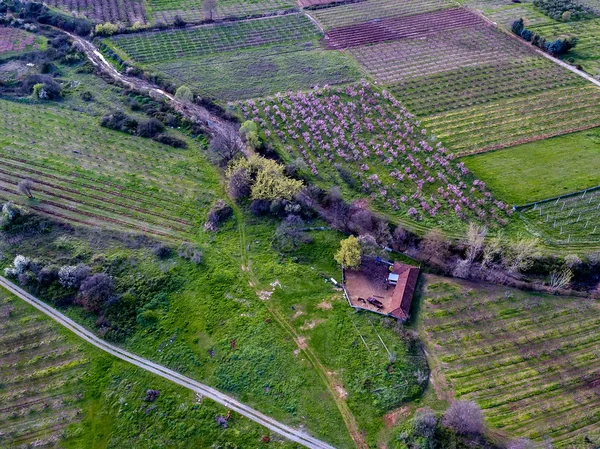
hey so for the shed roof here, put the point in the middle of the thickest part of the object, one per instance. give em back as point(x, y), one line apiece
point(404, 290)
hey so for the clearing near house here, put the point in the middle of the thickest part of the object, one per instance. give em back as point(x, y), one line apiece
point(529, 360)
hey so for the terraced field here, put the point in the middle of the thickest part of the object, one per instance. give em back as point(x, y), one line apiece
point(530, 361)
point(40, 378)
point(116, 11)
point(85, 174)
point(355, 13)
point(193, 10)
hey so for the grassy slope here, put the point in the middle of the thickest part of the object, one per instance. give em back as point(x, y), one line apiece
point(541, 169)
point(115, 415)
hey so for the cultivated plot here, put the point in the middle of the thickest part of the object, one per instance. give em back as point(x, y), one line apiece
point(15, 40)
point(473, 87)
point(530, 361)
point(355, 13)
point(194, 10)
point(207, 40)
point(115, 11)
point(40, 375)
point(246, 72)
point(90, 175)
point(365, 139)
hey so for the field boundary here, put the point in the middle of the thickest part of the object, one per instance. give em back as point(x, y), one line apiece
point(173, 376)
point(555, 198)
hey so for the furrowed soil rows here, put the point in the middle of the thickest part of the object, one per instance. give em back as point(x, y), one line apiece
point(165, 197)
point(417, 26)
point(16, 40)
point(40, 373)
point(210, 39)
point(354, 13)
point(192, 10)
point(114, 11)
point(533, 369)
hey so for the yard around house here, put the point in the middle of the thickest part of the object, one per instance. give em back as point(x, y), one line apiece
point(541, 169)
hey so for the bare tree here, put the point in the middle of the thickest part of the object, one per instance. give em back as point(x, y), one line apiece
point(435, 244)
point(474, 241)
point(425, 423)
point(464, 417)
point(225, 147)
point(26, 187)
point(560, 279)
point(520, 255)
point(491, 250)
point(289, 234)
point(209, 7)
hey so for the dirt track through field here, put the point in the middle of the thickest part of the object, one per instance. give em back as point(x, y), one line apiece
point(286, 431)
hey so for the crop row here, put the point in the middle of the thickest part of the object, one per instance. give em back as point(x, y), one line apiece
point(194, 11)
point(246, 72)
point(532, 377)
point(209, 39)
point(115, 11)
point(15, 39)
point(39, 395)
point(503, 123)
point(576, 218)
point(455, 49)
point(479, 84)
point(375, 146)
point(16, 176)
point(353, 13)
point(409, 27)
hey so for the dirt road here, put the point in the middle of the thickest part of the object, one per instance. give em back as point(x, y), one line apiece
point(286, 431)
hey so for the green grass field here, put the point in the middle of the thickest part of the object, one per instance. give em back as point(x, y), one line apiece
point(529, 360)
point(542, 169)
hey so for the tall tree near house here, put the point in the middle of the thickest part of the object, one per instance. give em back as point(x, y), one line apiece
point(350, 254)
point(26, 187)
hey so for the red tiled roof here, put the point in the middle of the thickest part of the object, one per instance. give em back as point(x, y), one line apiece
point(404, 290)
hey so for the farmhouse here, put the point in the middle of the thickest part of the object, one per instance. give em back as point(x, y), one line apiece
point(382, 287)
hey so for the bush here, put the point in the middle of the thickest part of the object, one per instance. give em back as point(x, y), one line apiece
point(119, 121)
point(87, 96)
point(166, 139)
point(188, 252)
point(42, 87)
point(106, 29)
point(72, 277)
point(96, 292)
point(19, 266)
point(178, 21)
point(149, 128)
point(184, 93)
point(464, 417)
point(10, 214)
point(220, 212)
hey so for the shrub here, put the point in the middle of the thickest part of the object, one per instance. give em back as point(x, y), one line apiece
point(96, 292)
point(191, 253)
point(162, 251)
point(425, 423)
point(42, 87)
point(166, 139)
point(119, 121)
point(106, 29)
point(220, 212)
point(19, 266)
point(239, 184)
point(464, 417)
point(87, 96)
point(149, 128)
point(71, 276)
point(184, 93)
point(249, 131)
point(10, 214)
point(178, 21)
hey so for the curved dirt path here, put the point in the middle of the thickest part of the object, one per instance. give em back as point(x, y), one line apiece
point(288, 432)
